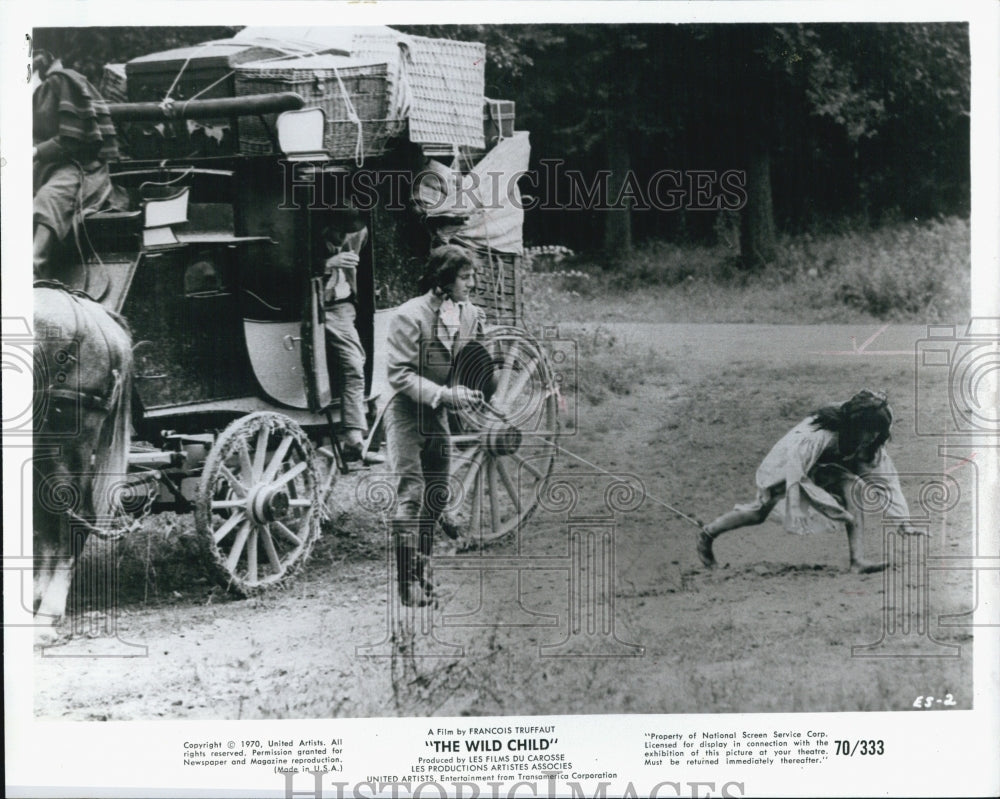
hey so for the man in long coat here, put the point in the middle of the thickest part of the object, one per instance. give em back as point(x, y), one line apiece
point(424, 339)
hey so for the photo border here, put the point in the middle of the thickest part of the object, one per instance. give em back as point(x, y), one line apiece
point(933, 754)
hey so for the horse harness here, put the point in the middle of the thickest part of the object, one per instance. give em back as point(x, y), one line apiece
point(91, 400)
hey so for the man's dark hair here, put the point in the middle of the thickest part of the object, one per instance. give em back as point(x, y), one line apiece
point(333, 228)
point(443, 264)
point(334, 224)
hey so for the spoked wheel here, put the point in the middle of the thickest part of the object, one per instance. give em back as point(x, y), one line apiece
point(258, 501)
point(500, 461)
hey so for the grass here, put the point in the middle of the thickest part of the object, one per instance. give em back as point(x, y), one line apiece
point(904, 272)
point(160, 562)
point(608, 366)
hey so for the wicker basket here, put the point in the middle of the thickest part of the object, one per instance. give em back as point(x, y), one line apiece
point(113, 86)
point(325, 82)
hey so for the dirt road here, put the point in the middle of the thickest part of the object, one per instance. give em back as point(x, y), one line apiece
point(680, 413)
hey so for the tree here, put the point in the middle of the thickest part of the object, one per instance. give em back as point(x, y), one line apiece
point(598, 101)
point(87, 50)
point(849, 118)
point(826, 120)
point(890, 101)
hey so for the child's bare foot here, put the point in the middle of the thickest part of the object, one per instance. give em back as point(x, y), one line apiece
point(866, 567)
point(705, 550)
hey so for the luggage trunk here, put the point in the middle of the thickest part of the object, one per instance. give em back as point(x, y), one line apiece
point(498, 120)
point(203, 71)
point(335, 84)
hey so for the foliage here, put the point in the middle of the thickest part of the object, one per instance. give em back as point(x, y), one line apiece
point(898, 272)
point(855, 118)
point(904, 271)
point(661, 263)
point(842, 120)
point(88, 49)
point(863, 76)
point(609, 366)
point(162, 559)
point(890, 102)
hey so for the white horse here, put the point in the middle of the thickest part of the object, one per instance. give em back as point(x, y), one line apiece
point(82, 402)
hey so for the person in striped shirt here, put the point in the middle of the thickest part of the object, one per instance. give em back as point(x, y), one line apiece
point(74, 139)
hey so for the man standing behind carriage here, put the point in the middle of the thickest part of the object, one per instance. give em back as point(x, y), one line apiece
point(430, 347)
point(342, 239)
point(74, 139)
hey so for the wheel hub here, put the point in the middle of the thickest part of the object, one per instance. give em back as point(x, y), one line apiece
point(268, 504)
point(502, 439)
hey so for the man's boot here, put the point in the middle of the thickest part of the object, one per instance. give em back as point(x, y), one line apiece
point(411, 592)
point(423, 563)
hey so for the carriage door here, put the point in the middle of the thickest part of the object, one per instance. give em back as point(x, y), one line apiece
point(282, 289)
point(314, 356)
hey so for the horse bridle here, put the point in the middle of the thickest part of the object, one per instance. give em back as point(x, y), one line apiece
point(89, 400)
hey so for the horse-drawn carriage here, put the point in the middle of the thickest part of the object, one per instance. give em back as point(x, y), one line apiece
point(235, 402)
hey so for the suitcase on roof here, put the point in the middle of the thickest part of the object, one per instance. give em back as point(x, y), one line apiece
point(203, 71)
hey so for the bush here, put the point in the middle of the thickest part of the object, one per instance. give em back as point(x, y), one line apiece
point(903, 271)
point(162, 559)
point(659, 263)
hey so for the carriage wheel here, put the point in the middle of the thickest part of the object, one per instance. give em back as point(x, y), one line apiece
point(258, 501)
point(499, 470)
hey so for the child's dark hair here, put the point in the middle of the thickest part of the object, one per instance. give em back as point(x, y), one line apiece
point(862, 424)
point(443, 265)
